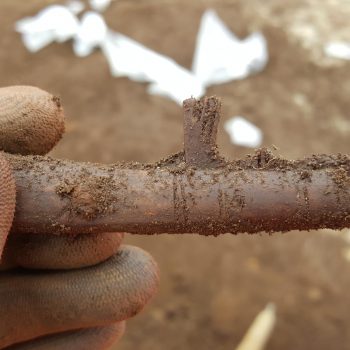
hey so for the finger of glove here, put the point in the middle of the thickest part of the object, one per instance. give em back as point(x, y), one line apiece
point(7, 200)
point(98, 338)
point(45, 251)
point(37, 303)
point(31, 120)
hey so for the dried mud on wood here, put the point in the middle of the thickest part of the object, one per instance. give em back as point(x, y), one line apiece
point(171, 196)
point(195, 190)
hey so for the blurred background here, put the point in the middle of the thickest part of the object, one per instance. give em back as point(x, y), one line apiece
point(212, 288)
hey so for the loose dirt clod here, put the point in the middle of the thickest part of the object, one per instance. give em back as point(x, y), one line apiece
point(341, 177)
point(89, 197)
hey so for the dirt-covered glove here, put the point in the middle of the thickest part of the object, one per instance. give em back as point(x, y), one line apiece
point(59, 292)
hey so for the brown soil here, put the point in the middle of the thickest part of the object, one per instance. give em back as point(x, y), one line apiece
point(211, 288)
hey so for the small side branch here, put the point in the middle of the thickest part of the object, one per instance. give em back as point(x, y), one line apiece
point(201, 119)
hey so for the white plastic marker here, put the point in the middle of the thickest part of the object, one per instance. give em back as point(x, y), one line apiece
point(54, 23)
point(99, 5)
point(91, 33)
point(129, 58)
point(221, 57)
point(75, 6)
point(243, 133)
point(338, 50)
point(260, 330)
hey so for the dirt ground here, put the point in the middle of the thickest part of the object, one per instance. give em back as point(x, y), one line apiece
point(212, 288)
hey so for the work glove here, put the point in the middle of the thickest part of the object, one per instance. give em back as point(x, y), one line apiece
point(59, 292)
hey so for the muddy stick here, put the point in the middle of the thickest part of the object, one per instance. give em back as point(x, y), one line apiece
point(62, 196)
point(195, 191)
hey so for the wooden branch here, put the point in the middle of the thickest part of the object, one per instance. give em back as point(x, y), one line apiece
point(63, 196)
point(191, 192)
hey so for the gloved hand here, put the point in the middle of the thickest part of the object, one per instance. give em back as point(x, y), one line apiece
point(60, 292)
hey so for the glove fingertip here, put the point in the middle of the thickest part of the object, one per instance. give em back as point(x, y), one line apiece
point(31, 120)
point(7, 200)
